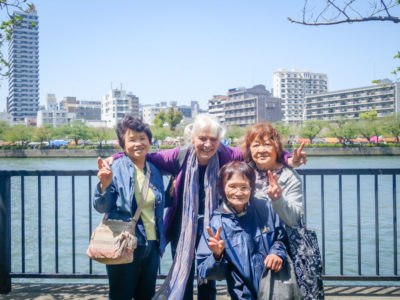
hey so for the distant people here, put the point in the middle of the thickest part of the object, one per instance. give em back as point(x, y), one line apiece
point(275, 181)
point(244, 235)
point(195, 167)
point(118, 195)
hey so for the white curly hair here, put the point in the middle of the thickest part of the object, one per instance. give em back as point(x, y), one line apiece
point(203, 122)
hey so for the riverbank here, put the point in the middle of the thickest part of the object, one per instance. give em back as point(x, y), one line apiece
point(351, 151)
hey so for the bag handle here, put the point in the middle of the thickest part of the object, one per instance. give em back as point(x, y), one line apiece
point(144, 192)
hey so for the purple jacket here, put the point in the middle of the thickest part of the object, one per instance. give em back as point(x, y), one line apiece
point(167, 161)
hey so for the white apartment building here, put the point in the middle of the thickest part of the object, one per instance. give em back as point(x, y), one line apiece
point(116, 104)
point(348, 104)
point(52, 115)
point(149, 112)
point(244, 107)
point(292, 86)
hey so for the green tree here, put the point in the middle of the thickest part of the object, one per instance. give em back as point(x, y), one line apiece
point(371, 115)
point(160, 133)
point(235, 132)
point(369, 125)
point(159, 120)
point(391, 125)
point(285, 130)
point(101, 134)
point(75, 130)
point(43, 133)
point(173, 118)
point(7, 26)
point(4, 127)
point(344, 130)
point(310, 129)
point(19, 133)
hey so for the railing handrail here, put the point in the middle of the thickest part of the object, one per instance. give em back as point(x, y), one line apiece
point(313, 171)
point(5, 221)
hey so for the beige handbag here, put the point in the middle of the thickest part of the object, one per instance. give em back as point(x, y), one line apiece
point(113, 241)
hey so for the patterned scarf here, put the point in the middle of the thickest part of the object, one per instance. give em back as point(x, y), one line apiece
point(175, 283)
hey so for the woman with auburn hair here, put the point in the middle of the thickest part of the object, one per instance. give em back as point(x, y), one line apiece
point(276, 182)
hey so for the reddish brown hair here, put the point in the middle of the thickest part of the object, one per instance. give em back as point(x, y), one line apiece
point(259, 132)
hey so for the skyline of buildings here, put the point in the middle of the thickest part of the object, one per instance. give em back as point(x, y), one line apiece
point(23, 87)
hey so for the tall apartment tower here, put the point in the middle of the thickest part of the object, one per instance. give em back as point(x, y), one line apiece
point(292, 86)
point(23, 87)
point(116, 104)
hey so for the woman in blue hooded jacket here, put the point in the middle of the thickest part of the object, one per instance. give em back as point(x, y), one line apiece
point(245, 234)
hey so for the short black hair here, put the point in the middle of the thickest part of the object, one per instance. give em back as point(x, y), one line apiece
point(132, 123)
point(235, 167)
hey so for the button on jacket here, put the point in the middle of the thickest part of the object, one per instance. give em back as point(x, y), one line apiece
point(120, 203)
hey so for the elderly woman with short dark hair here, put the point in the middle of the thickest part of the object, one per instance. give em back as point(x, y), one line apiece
point(118, 195)
point(244, 235)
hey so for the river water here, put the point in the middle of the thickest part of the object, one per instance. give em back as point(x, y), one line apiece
point(313, 215)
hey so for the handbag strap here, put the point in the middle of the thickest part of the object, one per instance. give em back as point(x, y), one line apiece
point(144, 192)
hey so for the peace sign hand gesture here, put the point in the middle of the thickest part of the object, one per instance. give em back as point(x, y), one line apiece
point(299, 157)
point(274, 190)
point(104, 174)
point(215, 243)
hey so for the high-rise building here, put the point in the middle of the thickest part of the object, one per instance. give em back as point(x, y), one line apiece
point(292, 86)
point(23, 87)
point(116, 104)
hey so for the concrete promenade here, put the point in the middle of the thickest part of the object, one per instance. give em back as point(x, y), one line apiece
point(99, 291)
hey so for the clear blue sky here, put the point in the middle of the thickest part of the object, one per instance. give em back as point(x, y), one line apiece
point(192, 50)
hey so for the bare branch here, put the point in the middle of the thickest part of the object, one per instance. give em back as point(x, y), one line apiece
point(347, 11)
point(386, 9)
point(354, 20)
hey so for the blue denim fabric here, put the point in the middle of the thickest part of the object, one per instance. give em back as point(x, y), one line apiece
point(136, 280)
point(120, 203)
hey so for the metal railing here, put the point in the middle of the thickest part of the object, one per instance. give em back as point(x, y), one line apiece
point(13, 183)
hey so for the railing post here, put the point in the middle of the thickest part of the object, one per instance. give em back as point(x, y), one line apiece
point(5, 233)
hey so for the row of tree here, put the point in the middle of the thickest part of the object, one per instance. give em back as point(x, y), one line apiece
point(367, 126)
point(76, 131)
point(345, 130)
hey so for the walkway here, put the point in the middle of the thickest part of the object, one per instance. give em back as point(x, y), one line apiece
point(99, 291)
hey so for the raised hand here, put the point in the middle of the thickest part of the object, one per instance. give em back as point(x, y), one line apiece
point(299, 157)
point(109, 160)
point(215, 243)
point(274, 190)
point(273, 262)
point(104, 174)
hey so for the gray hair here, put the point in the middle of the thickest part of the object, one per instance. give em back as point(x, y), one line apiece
point(202, 122)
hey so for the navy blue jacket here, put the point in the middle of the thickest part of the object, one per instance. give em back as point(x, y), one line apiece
point(120, 203)
point(248, 240)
